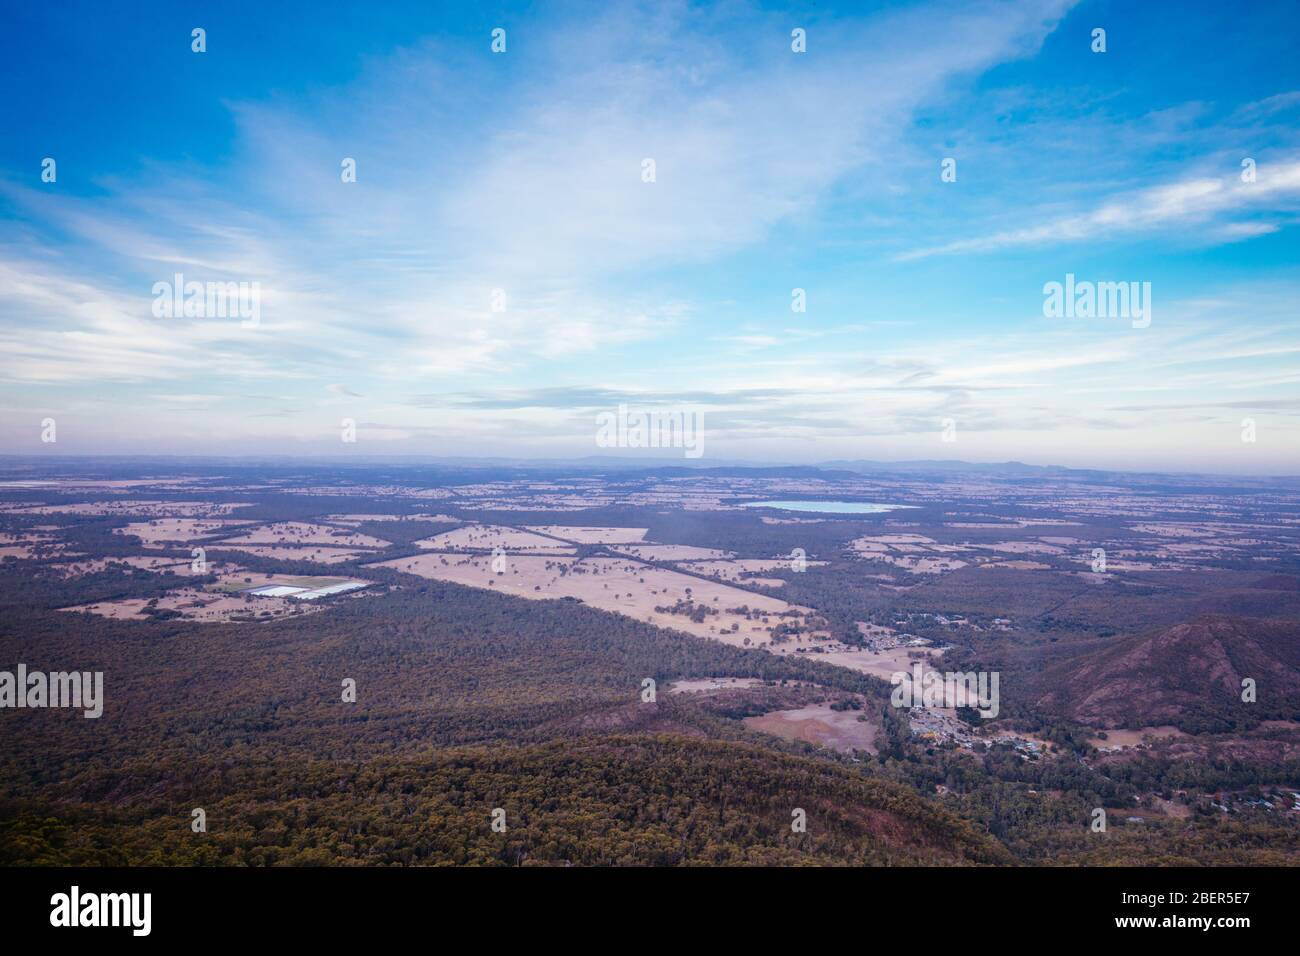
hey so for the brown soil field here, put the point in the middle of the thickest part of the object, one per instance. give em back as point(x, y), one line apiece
point(284, 533)
point(613, 584)
point(732, 570)
point(1120, 739)
point(320, 555)
point(912, 552)
point(1024, 547)
point(883, 664)
point(818, 724)
point(158, 531)
point(37, 547)
point(1176, 530)
point(91, 565)
point(920, 565)
point(704, 685)
point(196, 605)
point(480, 537)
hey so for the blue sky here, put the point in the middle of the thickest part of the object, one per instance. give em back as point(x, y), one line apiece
point(522, 171)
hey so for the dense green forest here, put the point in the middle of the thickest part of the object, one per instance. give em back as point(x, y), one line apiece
point(653, 799)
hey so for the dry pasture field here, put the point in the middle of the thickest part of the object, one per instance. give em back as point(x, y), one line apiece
point(286, 533)
point(196, 605)
point(158, 532)
point(840, 730)
point(615, 584)
point(320, 555)
point(481, 537)
point(84, 566)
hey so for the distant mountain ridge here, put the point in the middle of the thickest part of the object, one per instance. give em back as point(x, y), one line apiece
point(82, 465)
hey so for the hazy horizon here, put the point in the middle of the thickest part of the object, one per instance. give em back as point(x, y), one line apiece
point(629, 462)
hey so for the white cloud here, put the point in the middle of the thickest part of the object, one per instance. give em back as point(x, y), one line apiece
point(1180, 204)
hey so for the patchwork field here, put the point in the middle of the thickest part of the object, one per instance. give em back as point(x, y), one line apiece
point(239, 595)
point(192, 604)
point(743, 570)
point(160, 532)
point(299, 533)
point(672, 552)
point(317, 555)
point(86, 566)
point(31, 544)
point(490, 537)
point(704, 607)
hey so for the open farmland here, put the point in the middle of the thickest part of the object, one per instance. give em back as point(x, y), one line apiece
point(489, 537)
point(302, 534)
point(161, 532)
point(978, 576)
point(703, 607)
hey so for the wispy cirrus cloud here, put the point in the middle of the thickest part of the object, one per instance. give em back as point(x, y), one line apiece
point(526, 181)
point(1200, 201)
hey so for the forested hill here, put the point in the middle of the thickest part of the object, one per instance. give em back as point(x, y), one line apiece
point(1189, 675)
point(467, 702)
point(596, 799)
